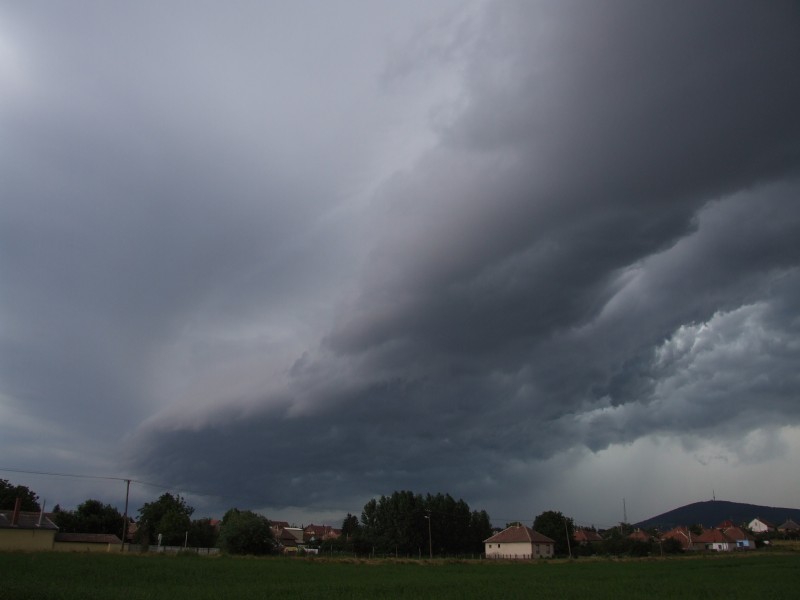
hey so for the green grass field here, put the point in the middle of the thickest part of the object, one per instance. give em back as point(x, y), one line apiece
point(86, 576)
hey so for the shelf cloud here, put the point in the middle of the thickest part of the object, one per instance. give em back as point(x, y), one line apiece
point(299, 256)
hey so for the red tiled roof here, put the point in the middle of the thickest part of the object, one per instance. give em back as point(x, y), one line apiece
point(711, 536)
point(681, 534)
point(737, 534)
point(640, 536)
point(586, 535)
point(518, 533)
point(321, 531)
point(725, 524)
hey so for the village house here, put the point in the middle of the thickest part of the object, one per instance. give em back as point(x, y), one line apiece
point(712, 539)
point(318, 533)
point(584, 537)
point(759, 525)
point(291, 539)
point(640, 536)
point(724, 540)
point(519, 542)
point(277, 527)
point(682, 534)
point(789, 526)
point(740, 538)
point(24, 530)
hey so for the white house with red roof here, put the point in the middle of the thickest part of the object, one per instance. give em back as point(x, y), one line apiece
point(713, 539)
point(519, 542)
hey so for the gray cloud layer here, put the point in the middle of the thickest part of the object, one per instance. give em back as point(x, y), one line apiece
point(600, 245)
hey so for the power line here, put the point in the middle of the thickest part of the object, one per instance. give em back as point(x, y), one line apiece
point(195, 493)
point(64, 474)
point(108, 478)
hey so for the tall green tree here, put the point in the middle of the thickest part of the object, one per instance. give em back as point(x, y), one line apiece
point(169, 516)
point(480, 527)
point(557, 527)
point(349, 526)
point(245, 532)
point(91, 516)
point(409, 523)
point(9, 494)
point(395, 523)
point(203, 534)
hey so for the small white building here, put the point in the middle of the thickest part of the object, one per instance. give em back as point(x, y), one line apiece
point(713, 539)
point(760, 526)
point(519, 542)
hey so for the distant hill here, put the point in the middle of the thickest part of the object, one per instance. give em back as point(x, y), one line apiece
point(712, 512)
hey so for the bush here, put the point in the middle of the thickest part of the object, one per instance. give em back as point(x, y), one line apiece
point(245, 532)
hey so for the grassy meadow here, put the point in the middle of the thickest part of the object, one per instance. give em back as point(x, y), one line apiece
point(93, 576)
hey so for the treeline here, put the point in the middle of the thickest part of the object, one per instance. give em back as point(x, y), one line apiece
point(406, 524)
point(169, 516)
point(9, 493)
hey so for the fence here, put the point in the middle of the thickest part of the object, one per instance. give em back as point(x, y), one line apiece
point(136, 549)
point(514, 556)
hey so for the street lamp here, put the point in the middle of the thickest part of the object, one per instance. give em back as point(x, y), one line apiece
point(430, 539)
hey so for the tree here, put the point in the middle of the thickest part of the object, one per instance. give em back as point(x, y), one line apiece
point(245, 532)
point(168, 516)
point(556, 526)
point(671, 546)
point(203, 534)
point(91, 516)
point(617, 545)
point(408, 523)
point(480, 527)
point(349, 526)
point(395, 523)
point(9, 494)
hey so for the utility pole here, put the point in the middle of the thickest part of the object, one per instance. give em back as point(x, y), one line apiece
point(569, 546)
point(125, 518)
point(430, 537)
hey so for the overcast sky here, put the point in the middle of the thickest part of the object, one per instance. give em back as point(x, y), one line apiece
point(289, 256)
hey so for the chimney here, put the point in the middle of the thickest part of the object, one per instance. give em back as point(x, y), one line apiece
point(15, 517)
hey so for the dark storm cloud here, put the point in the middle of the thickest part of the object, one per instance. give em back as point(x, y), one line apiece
point(575, 264)
point(140, 194)
point(599, 245)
